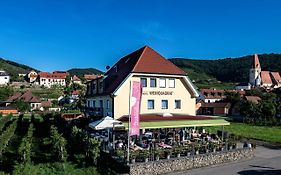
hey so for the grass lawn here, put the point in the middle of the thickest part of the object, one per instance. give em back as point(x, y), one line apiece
point(264, 133)
point(216, 85)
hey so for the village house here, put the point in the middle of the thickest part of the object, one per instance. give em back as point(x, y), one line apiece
point(215, 95)
point(219, 109)
point(76, 80)
point(56, 78)
point(27, 97)
point(4, 78)
point(167, 90)
point(32, 76)
point(211, 95)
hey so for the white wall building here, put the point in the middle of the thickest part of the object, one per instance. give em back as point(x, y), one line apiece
point(4, 78)
point(56, 78)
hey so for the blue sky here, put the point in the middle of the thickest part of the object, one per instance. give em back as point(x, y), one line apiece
point(61, 34)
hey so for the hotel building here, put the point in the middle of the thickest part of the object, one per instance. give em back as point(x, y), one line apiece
point(167, 90)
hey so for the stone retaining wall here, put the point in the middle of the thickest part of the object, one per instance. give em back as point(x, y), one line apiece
point(185, 163)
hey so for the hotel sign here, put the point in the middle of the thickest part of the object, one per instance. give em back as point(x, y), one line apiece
point(157, 93)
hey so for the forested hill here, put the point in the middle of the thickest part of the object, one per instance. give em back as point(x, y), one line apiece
point(80, 72)
point(14, 68)
point(228, 69)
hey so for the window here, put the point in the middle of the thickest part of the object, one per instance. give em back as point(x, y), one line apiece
point(150, 104)
point(101, 104)
point(94, 86)
point(107, 104)
point(144, 82)
point(164, 104)
point(162, 82)
point(177, 104)
point(94, 104)
point(88, 103)
point(152, 82)
point(101, 85)
point(171, 83)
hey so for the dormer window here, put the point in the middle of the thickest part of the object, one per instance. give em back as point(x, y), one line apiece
point(115, 68)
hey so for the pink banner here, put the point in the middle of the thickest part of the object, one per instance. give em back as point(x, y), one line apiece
point(135, 108)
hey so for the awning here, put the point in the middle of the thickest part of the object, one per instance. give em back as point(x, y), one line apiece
point(180, 123)
point(105, 123)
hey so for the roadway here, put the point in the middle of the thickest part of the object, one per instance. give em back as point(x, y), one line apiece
point(266, 162)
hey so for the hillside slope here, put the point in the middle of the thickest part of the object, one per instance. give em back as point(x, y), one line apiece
point(228, 69)
point(14, 68)
point(80, 71)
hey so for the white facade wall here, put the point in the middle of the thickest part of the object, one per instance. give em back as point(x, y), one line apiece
point(4, 79)
point(254, 76)
point(211, 100)
point(179, 92)
point(48, 82)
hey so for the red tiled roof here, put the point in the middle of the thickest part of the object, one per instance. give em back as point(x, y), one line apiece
point(216, 105)
point(152, 62)
point(13, 97)
point(254, 99)
point(156, 117)
point(256, 62)
point(276, 76)
point(27, 97)
point(75, 78)
point(46, 104)
point(76, 92)
point(54, 75)
point(91, 76)
point(212, 90)
point(144, 60)
point(265, 77)
point(214, 97)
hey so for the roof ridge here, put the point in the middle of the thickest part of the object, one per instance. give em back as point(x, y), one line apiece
point(144, 48)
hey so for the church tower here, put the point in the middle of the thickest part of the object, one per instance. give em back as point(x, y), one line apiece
point(255, 71)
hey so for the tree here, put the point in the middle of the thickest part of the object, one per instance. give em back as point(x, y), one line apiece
point(232, 97)
point(92, 148)
point(6, 136)
point(59, 143)
point(22, 106)
point(26, 145)
point(5, 92)
point(268, 110)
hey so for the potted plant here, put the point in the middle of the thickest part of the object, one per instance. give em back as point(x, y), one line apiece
point(196, 147)
point(168, 153)
point(145, 154)
point(133, 156)
point(119, 153)
point(187, 150)
point(178, 151)
point(213, 146)
point(157, 153)
point(204, 148)
point(221, 147)
point(231, 144)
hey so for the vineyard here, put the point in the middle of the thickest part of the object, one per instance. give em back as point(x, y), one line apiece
point(46, 145)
